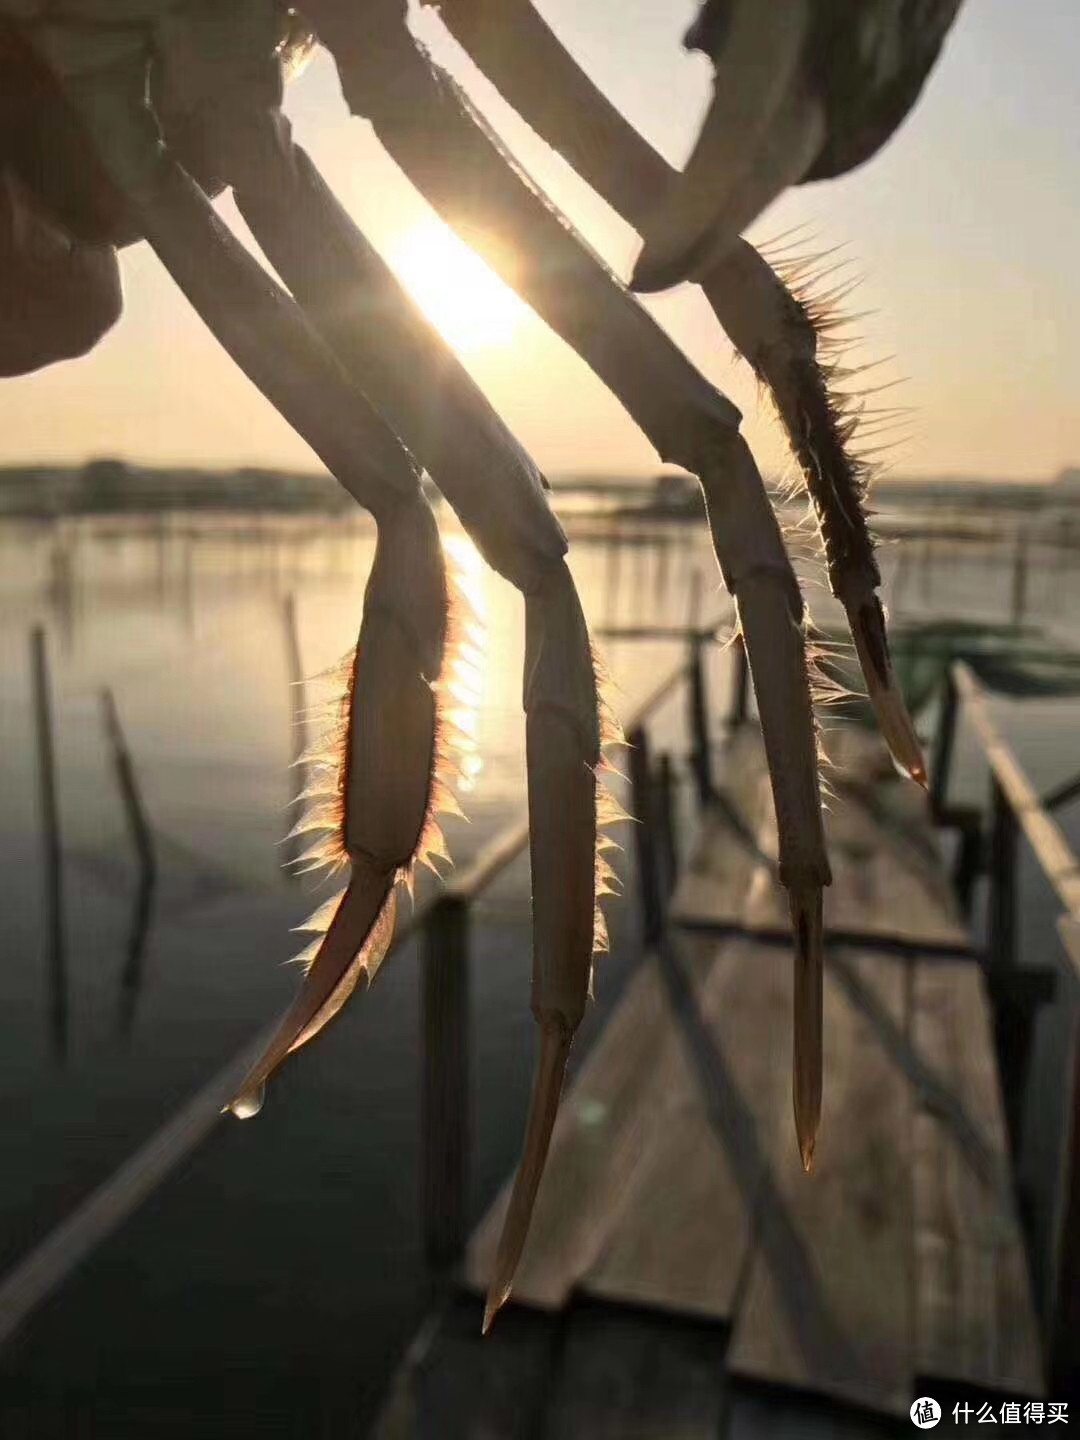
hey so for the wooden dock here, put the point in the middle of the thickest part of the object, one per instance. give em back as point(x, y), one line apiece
point(683, 1278)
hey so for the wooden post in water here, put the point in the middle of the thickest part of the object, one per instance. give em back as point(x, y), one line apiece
point(969, 855)
point(1013, 1009)
point(941, 761)
point(664, 809)
point(444, 1120)
point(701, 756)
point(1004, 855)
point(1020, 577)
point(645, 836)
point(142, 839)
point(740, 683)
point(56, 960)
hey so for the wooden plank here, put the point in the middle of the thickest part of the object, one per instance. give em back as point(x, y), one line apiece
point(887, 880)
point(887, 883)
point(634, 1075)
point(827, 1306)
point(885, 886)
point(629, 1376)
point(974, 1320)
point(712, 889)
point(674, 1181)
point(680, 1241)
point(453, 1385)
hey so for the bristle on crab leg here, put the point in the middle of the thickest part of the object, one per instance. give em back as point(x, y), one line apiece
point(780, 333)
point(378, 794)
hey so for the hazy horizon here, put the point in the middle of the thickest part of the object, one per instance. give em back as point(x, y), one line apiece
point(965, 227)
point(582, 474)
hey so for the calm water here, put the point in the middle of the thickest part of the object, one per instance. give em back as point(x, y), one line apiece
point(285, 1254)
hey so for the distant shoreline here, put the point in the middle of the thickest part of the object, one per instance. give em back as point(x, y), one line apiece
point(111, 487)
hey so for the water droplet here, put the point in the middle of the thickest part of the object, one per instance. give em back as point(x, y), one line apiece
point(250, 1103)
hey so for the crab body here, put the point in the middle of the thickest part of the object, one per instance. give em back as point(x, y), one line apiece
point(119, 118)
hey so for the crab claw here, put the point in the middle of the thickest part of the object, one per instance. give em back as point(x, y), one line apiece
point(757, 51)
point(801, 92)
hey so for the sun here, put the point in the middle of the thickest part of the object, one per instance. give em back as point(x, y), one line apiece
point(465, 300)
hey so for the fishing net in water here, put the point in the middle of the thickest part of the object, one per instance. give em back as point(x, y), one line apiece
point(1012, 660)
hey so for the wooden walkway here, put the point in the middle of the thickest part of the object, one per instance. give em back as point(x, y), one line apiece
point(683, 1278)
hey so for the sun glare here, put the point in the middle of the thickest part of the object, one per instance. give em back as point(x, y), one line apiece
point(466, 301)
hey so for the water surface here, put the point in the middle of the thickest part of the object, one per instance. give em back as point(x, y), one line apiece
point(278, 1275)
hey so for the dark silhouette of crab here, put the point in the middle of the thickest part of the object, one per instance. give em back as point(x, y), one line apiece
point(118, 118)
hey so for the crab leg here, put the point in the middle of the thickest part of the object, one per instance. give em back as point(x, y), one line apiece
point(772, 328)
point(384, 775)
point(382, 779)
point(405, 368)
point(427, 126)
point(563, 748)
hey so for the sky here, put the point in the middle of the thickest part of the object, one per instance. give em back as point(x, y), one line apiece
point(965, 230)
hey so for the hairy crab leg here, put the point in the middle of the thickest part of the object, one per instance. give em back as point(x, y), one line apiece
point(776, 333)
point(427, 126)
point(382, 789)
point(563, 741)
point(768, 324)
point(340, 281)
point(385, 773)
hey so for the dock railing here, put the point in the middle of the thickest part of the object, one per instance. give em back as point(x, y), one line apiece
point(989, 845)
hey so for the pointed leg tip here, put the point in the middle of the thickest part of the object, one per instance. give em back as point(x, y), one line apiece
point(495, 1301)
point(867, 621)
point(806, 909)
point(808, 1121)
point(806, 1152)
point(903, 745)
